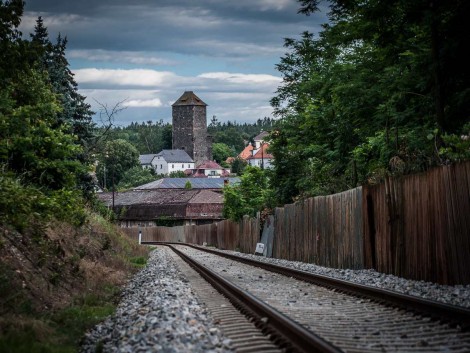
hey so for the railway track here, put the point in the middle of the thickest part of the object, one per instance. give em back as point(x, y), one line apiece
point(320, 314)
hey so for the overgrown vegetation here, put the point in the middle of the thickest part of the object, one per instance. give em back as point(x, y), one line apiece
point(251, 195)
point(58, 282)
point(382, 90)
point(61, 265)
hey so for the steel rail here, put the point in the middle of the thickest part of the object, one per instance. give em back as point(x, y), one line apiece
point(283, 331)
point(439, 311)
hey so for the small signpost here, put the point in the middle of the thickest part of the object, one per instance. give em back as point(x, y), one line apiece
point(259, 249)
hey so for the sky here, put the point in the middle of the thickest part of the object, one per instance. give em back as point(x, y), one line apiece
point(143, 54)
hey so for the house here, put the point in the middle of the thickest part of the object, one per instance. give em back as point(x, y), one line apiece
point(146, 161)
point(165, 206)
point(208, 169)
point(246, 152)
point(260, 139)
point(168, 161)
point(214, 184)
point(261, 157)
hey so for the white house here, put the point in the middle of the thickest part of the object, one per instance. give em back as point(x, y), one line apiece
point(208, 169)
point(260, 157)
point(168, 161)
point(146, 160)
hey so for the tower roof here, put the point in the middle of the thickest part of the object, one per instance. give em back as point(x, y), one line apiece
point(189, 98)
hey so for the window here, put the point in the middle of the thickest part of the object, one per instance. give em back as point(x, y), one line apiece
point(161, 166)
point(172, 166)
point(182, 166)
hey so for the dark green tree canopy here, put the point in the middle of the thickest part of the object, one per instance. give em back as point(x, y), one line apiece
point(380, 90)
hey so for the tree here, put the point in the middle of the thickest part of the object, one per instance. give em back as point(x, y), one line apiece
point(116, 159)
point(221, 152)
point(40, 168)
point(366, 95)
point(136, 176)
point(249, 196)
point(238, 166)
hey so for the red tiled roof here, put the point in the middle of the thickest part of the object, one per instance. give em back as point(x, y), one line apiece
point(262, 153)
point(209, 165)
point(246, 152)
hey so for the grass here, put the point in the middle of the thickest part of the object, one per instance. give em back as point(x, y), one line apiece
point(60, 331)
point(96, 263)
point(138, 261)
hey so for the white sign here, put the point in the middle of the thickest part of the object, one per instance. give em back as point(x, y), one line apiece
point(259, 249)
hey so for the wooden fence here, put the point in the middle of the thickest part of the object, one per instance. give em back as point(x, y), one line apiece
point(241, 236)
point(416, 226)
point(325, 230)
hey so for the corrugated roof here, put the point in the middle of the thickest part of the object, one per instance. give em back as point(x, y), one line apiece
point(148, 197)
point(175, 156)
point(196, 183)
point(189, 98)
point(208, 196)
point(146, 158)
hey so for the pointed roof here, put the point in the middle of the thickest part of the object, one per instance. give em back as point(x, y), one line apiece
point(262, 153)
point(209, 165)
point(189, 98)
point(246, 152)
point(261, 136)
point(175, 156)
point(146, 158)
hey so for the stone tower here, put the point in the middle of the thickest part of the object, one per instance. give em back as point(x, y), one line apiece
point(190, 127)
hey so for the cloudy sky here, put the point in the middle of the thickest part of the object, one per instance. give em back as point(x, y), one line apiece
point(146, 53)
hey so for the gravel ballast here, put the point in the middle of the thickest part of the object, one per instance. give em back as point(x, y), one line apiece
point(458, 295)
point(158, 312)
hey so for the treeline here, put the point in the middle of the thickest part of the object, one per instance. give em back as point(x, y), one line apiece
point(46, 128)
point(152, 137)
point(383, 89)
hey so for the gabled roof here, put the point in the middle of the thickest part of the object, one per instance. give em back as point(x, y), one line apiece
point(149, 197)
point(175, 156)
point(180, 183)
point(246, 152)
point(189, 98)
point(209, 165)
point(262, 153)
point(208, 197)
point(261, 136)
point(146, 158)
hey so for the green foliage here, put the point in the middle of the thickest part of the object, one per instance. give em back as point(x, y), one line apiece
point(117, 157)
point(238, 166)
point(221, 151)
point(138, 261)
point(249, 196)
point(456, 147)
point(177, 174)
point(136, 176)
point(44, 168)
point(147, 137)
point(188, 185)
point(359, 101)
point(235, 135)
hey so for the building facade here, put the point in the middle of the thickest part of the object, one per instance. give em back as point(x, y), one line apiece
point(189, 119)
point(168, 161)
